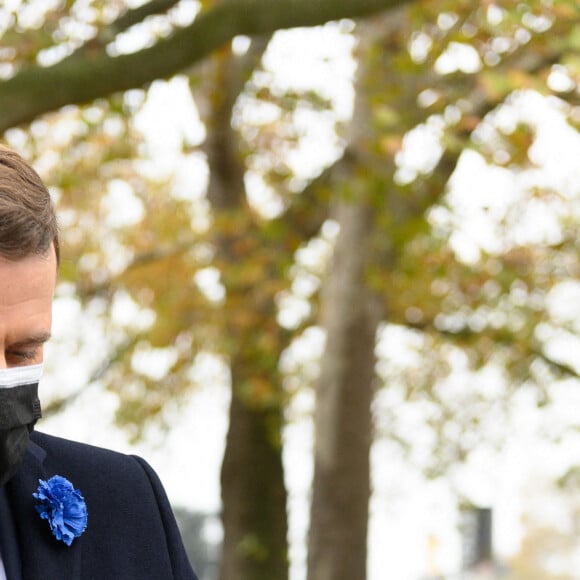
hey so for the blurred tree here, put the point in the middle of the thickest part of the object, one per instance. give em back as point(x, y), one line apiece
point(253, 500)
point(428, 72)
point(88, 68)
point(384, 232)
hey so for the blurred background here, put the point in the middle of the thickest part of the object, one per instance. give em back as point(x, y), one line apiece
point(321, 269)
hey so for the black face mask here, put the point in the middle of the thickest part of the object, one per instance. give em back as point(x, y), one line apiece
point(19, 411)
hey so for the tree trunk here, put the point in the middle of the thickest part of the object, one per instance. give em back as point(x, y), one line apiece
point(252, 479)
point(351, 309)
point(253, 496)
point(341, 488)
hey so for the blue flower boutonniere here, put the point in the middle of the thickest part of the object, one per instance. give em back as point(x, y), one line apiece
point(63, 506)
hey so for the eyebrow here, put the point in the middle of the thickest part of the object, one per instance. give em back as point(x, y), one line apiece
point(34, 339)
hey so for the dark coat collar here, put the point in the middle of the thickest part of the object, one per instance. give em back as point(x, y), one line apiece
point(41, 555)
point(9, 539)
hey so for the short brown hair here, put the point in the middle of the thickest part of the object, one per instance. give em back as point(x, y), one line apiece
point(27, 218)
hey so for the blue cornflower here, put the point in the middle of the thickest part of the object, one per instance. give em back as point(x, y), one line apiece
point(63, 506)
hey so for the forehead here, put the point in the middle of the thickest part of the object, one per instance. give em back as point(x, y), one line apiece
point(28, 276)
point(26, 292)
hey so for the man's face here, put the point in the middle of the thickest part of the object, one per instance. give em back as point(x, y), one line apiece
point(26, 293)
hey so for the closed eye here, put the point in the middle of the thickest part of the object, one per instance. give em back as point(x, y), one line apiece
point(21, 357)
point(28, 350)
point(23, 354)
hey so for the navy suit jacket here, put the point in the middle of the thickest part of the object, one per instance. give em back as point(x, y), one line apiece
point(131, 532)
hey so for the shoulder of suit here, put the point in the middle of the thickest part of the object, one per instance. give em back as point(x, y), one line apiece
point(51, 442)
point(84, 457)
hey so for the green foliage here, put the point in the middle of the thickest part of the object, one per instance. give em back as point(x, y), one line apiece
point(434, 85)
point(407, 84)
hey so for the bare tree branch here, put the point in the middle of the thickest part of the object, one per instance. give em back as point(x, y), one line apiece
point(38, 90)
point(137, 15)
point(61, 403)
point(139, 260)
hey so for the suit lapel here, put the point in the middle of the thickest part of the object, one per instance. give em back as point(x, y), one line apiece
point(42, 556)
point(9, 539)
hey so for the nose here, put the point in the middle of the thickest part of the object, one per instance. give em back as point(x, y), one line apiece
point(3, 364)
